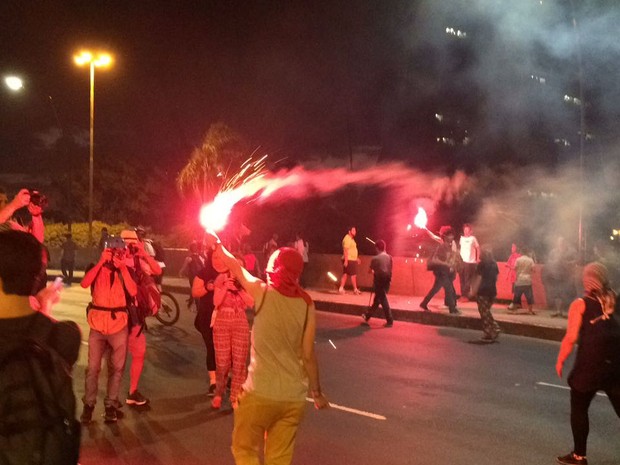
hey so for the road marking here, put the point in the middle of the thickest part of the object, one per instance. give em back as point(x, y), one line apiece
point(540, 383)
point(353, 410)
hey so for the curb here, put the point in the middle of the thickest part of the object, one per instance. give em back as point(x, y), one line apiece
point(429, 318)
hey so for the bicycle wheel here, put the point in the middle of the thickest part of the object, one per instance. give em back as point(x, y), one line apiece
point(169, 311)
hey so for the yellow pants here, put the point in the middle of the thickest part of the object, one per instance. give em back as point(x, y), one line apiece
point(258, 418)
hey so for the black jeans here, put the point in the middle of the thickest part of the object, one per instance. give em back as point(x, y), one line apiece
point(442, 280)
point(381, 289)
point(66, 268)
point(579, 419)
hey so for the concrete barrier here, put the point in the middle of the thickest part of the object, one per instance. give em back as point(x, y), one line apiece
point(410, 276)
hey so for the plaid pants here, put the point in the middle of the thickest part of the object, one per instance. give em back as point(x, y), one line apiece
point(231, 338)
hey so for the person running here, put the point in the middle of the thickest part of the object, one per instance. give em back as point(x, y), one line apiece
point(283, 366)
point(593, 321)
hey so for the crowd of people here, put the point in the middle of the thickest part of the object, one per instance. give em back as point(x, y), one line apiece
point(268, 394)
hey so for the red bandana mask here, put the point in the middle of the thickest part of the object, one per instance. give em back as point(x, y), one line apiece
point(283, 271)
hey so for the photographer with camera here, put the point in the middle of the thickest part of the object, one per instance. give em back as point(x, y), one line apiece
point(110, 282)
point(231, 332)
point(35, 201)
point(144, 270)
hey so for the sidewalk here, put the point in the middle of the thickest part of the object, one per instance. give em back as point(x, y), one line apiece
point(406, 308)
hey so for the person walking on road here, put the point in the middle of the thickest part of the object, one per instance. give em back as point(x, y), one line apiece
point(593, 321)
point(484, 287)
point(381, 268)
point(283, 366)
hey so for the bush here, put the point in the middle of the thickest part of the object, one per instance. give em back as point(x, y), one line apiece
point(55, 232)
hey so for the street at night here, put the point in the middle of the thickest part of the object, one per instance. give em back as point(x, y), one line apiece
point(420, 395)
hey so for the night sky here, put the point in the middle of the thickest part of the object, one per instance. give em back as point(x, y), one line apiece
point(295, 77)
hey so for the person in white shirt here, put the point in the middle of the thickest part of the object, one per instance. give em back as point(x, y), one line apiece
point(470, 254)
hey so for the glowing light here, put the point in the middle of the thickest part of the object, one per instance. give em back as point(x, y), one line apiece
point(14, 83)
point(421, 219)
point(332, 276)
point(408, 227)
point(85, 57)
point(370, 240)
point(615, 232)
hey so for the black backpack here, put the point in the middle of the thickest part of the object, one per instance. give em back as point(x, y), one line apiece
point(37, 403)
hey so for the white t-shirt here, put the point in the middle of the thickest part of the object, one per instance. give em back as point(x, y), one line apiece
point(469, 247)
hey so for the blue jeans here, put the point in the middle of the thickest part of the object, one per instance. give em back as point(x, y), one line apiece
point(98, 345)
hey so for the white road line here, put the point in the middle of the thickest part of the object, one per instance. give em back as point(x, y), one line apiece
point(540, 383)
point(353, 410)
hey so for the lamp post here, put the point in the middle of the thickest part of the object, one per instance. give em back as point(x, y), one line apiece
point(94, 60)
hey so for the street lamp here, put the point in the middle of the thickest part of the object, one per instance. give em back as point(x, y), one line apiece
point(14, 83)
point(94, 60)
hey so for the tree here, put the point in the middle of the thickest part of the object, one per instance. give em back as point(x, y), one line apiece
point(209, 164)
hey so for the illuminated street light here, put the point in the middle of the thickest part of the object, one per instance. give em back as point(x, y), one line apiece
point(14, 83)
point(94, 60)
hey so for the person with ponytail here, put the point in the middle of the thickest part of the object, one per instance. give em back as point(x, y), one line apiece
point(283, 366)
point(593, 321)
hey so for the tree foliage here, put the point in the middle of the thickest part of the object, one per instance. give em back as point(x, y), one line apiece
point(208, 165)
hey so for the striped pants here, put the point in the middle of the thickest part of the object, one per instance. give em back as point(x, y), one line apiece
point(231, 338)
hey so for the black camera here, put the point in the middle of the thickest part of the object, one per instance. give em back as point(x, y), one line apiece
point(38, 199)
point(114, 242)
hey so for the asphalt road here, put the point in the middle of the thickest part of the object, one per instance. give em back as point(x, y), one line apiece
point(410, 394)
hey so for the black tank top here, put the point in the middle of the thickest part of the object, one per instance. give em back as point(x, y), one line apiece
point(597, 365)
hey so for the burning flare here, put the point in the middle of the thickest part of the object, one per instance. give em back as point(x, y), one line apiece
point(421, 219)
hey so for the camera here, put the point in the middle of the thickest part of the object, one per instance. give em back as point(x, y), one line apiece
point(114, 242)
point(38, 199)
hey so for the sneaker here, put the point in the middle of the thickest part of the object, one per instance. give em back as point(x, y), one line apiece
point(341, 291)
point(211, 392)
point(135, 398)
point(365, 317)
point(487, 339)
point(87, 414)
point(110, 415)
point(424, 307)
point(571, 459)
point(388, 324)
point(216, 403)
point(456, 311)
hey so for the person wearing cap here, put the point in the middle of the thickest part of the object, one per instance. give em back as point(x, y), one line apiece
point(283, 366)
point(593, 320)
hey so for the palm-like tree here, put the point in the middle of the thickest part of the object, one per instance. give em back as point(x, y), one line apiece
point(206, 170)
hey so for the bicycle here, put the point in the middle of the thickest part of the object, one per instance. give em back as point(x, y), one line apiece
point(169, 311)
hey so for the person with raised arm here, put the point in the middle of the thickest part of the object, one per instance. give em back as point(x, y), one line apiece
point(283, 366)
